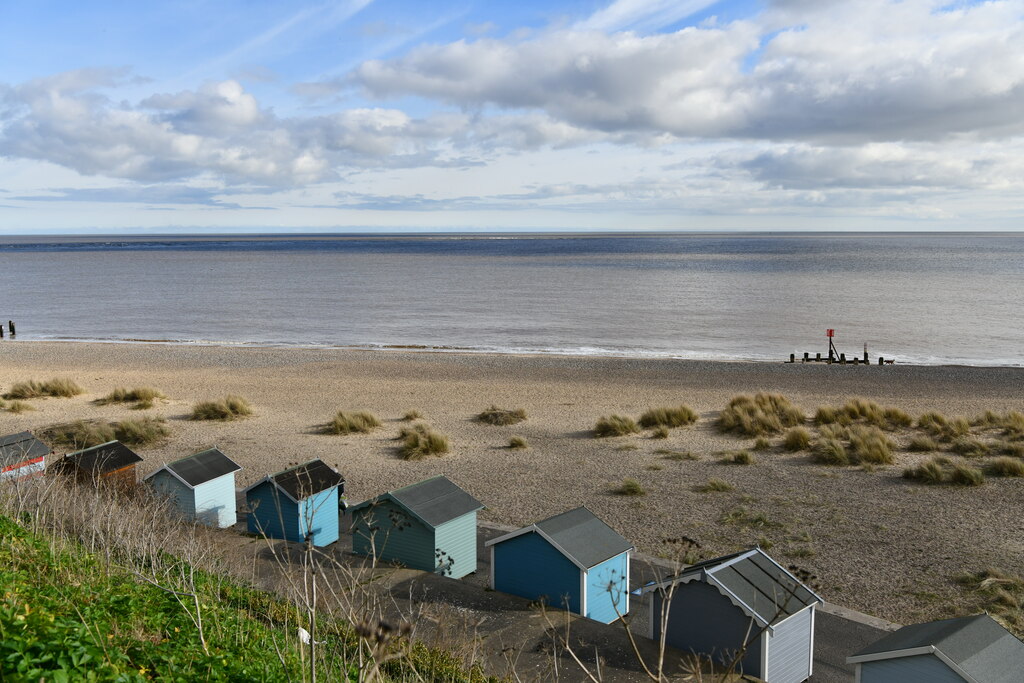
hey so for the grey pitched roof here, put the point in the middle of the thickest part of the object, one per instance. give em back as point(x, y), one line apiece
point(201, 467)
point(579, 535)
point(17, 448)
point(754, 582)
point(305, 480)
point(435, 501)
point(104, 458)
point(977, 645)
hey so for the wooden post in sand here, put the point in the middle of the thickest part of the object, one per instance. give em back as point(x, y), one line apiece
point(842, 359)
point(10, 326)
point(880, 360)
point(1, 331)
point(792, 358)
point(806, 356)
point(817, 356)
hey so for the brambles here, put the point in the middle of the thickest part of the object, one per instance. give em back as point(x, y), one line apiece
point(420, 441)
point(57, 387)
point(352, 423)
point(679, 416)
point(714, 486)
point(501, 416)
point(615, 425)
point(759, 415)
point(797, 439)
point(227, 408)
point(1005, 467)
point(630, 487)
point(518, 442)
point(142, 397)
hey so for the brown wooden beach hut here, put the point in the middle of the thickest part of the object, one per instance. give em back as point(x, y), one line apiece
point(110, 463)
point(22, 455)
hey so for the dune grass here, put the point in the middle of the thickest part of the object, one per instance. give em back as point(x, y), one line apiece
point(1005, 467)
point(739, 458)
point(668, 454)
point(17, 407)
point(829, 451)
point(518, 442)
point(660, 433)
point(420, 441)
point(796, 439)
point(228, 408)
point(759, 415)
point(865, 411)
point(933, 471)
point(761, 444)
point(630, 487)
point(965, 475)
point(941, 428)
point(615, 425)
point(679, 416)
point(1015, 449)
point(142, 397)
point(923, 444)
point(1001, 595)
point(57, 387)
point(80, 434)
point(870, 445)
point(352, 423)
point(714, 486)
point(412, 415)
point(969, 447)
point(501, 417)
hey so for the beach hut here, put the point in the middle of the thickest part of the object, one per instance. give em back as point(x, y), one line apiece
point(201, 486)
point(430, 526)
point(110, 463)
point(745, 599)
point(572, 560)
point(297, 502)
point(22, 455)
point(975, 649)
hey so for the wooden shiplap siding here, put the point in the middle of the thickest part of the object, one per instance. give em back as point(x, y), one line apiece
point(916, 669)
point(530, 567)
point(702, 620)
point(393, 535)
point(319, 516)
point(789, 649)
point(455, 542)
point(25, 469)
point(607, 589)
point(215, 501)
point(272, 513)
point(166, 484)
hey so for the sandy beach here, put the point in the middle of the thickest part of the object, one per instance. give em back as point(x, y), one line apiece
point(876, 542)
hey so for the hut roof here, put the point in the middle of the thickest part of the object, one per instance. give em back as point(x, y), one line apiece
point(200, 468)
point(752, 581)
point(17, 448)
point(976, 647)
point(104, 458)
point(433, 501)
point(579, 535)
point(303, 481)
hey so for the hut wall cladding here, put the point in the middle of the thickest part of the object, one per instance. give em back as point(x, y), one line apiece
point(789, 648)
point(607, 589)
point(166, 484)
point(703, 620)
point(214, 501)
point(24, 469)
point(388, 531)
point(457, 541)
point(530, 567)
point(916, 669)
point(272, 513)
point(318, 515)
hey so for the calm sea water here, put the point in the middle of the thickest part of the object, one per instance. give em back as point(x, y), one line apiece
point(918, 298)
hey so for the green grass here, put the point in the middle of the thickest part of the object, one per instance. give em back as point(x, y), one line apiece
point(87, 433)
point(796, 439)
point(630, 487)
point(865, 411)
point(1005, 467)
point(615, 425)
point(142, 397)
point(669, 454)
point(714, 486)
point(744, 517)
point(352, 423)
point(941, 428)
point(679, 416)
point(501, 416)
point(227, 408)
point(518, 442)
point(57, 387)
point(759, 415)
point(420, 442)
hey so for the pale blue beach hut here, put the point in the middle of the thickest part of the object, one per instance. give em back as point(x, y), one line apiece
point(430, 525)
point(201, 486)
point(572, 561)
point(297, 503)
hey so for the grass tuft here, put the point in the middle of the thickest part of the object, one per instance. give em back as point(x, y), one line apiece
point(420, 441)
point(679, 416)
point(660, 433)
point(227, 408)
point(677, 455)
point(830, 452)
point(352, 423)
point(1005, 467)
point(615, 425)
point(412, 415)
point(963, 475)
point(501, 416)
point(762, 444)
point(759, 415)
point(57, 387)
point(85, 434)
point(870, 445)
point(17, 407)
point(143, 397)
point(923, 444)
point(517, 442)
point(630, 487)
point(930, 472)
point(739, 458)
point(1014, 449)
point(797, 439)
point(714, 486)
point(969, 447)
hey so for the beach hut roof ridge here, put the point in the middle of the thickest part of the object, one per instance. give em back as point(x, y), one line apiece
point(302, 481)
point(104, 457)
point(433, 501)
point(16, 448)
point(200, 467)
point(579, 535)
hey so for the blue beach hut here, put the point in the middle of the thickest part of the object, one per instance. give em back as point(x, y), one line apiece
point(297, 502)
point(572, 560)
point(201, 486)
point(430, 525)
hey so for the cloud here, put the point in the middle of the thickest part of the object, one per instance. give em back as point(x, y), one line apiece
point(150, 195)
point(642, 15)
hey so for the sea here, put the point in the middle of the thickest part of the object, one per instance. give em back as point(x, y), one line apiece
point(916, 298)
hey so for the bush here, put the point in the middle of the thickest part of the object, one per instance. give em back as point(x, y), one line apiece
point(56, 387)
point(923, 444)
point(797, 439)
point(668, 417)
point(660, 433)
point(630, 487)
point(501, 416)
point(931, 472)
point(740, 458)
point(759, 415)
point(1005, 467)
point(830, 452)
point(228, 408)
point(870, 445)
point(420, 441)
point(969, 448)
point(518, 442)
point(615, 425)
point(962, 475)
point(144, 397)
point(352, 423)
point(714, 486)
point(412, 415)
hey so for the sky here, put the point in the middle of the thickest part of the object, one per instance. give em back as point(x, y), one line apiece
point(453, 115)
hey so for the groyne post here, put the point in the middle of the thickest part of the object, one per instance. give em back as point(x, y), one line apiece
point(792, 358)
point(842, 359)
point(10, 326)
point(880, 360)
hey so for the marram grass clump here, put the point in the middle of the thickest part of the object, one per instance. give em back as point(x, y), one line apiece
point(678, 416)
point(759, 415)
point(352, 423)
point(630, 487)
point(615, 425)
point(933, 471)
point(714, 486)
point(1005, 467)
point(87, 433)
point(17, 407)
point(227, 408)
point(58, 387)
point(500, 417)
point(870, 445)
point(517, 442)
point(739, 458)
point(420, 441)
point(142, 397)
point(797, 439)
